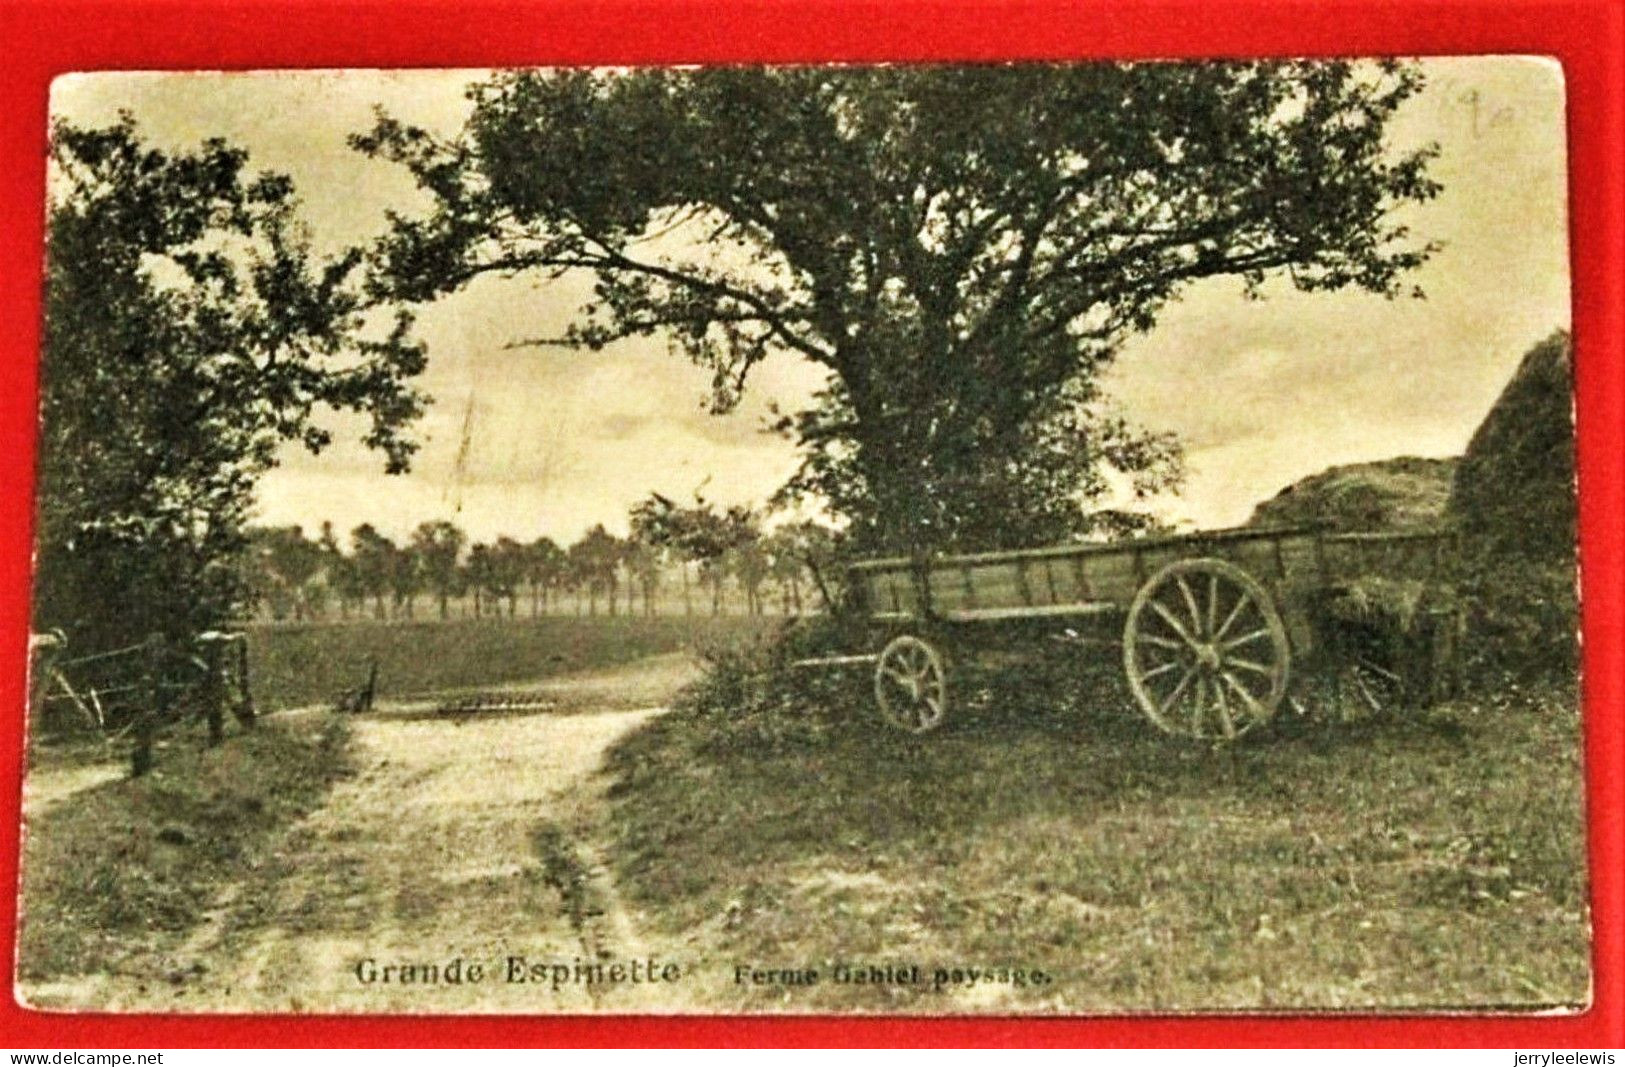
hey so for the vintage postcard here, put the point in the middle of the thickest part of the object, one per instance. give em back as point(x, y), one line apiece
point(1055, 539)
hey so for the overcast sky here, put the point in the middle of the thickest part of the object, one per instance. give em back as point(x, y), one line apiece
point(1262, 393)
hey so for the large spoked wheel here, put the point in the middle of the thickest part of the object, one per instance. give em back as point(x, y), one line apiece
point(1205, 650)
point(911, 685)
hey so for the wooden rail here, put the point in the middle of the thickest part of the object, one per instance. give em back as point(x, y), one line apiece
point(1105, 548)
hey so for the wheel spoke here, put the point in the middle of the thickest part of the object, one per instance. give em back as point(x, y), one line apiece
point(1178, 627)
point(1254, 708)
point(1246, 638)
point(1226, 723)
point(1163, 668)
point(1365, 691)
point(1190, 602)
point(1230, 619)
point(1199, 706)
point(1212, 603)
point(1163, 642)
point(1173, 696)
point(1382, 672)
point(1249, 665)
point(1223, 704)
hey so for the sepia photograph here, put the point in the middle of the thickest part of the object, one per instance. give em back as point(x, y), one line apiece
point(1090, 538)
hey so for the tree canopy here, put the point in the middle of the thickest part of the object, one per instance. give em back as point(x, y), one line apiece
point(963, 248)
point(189, 330)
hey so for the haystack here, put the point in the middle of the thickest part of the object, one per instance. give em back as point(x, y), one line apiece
point(1514, 488)
point(1391, 494)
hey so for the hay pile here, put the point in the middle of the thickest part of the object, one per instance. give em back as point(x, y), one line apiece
point(1514, 488)
point(1515, 505)
point(1392, 494)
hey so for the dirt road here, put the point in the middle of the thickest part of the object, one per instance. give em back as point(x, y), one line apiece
point(459, 843)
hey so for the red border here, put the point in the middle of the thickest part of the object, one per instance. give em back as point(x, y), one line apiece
point(43, 39)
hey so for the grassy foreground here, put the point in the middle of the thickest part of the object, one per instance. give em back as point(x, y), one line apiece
point(296, 665)
point(131, 864)
point(1428, 861)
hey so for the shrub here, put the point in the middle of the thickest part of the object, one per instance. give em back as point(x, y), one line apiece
point(751, 698)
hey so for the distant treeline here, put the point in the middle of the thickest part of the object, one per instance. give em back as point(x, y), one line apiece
point(690, 559)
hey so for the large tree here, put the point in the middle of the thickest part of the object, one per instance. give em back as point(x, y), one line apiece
point(438, 544)
point(544, 570)
point(964, 248)
point(374, 556)
point(189, 332)
point(596, 560)
point(289, 563)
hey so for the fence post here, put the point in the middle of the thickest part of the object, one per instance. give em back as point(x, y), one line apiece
point(146, 723)
point(214, 687)
point(244, 709)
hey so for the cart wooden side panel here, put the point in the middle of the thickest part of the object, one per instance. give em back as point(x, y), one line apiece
point(1075, 579)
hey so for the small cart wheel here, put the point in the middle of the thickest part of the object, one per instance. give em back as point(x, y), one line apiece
point(1205, 650)
point(911, 685)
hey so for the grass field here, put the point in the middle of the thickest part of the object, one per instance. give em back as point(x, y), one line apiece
point(1427, 861)
point(294, 665)
point(133, 863)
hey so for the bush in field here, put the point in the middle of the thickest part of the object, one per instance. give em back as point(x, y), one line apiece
point(752, 699)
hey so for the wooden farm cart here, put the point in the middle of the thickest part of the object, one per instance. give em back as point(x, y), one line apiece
point(1208, 622)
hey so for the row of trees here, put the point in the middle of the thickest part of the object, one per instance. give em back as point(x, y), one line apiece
point(293, 576)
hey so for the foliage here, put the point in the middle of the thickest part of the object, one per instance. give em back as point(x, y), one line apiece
point(189, 330)
point(284, 562)
point(545, 564)
point(713, 539)
point(438, 545)
point(595, 561)
point(751, 700)
point(373, 555)
point(508, 564)
point(963, 249)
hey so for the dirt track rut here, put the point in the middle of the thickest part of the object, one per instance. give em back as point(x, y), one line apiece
point(463, 840)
